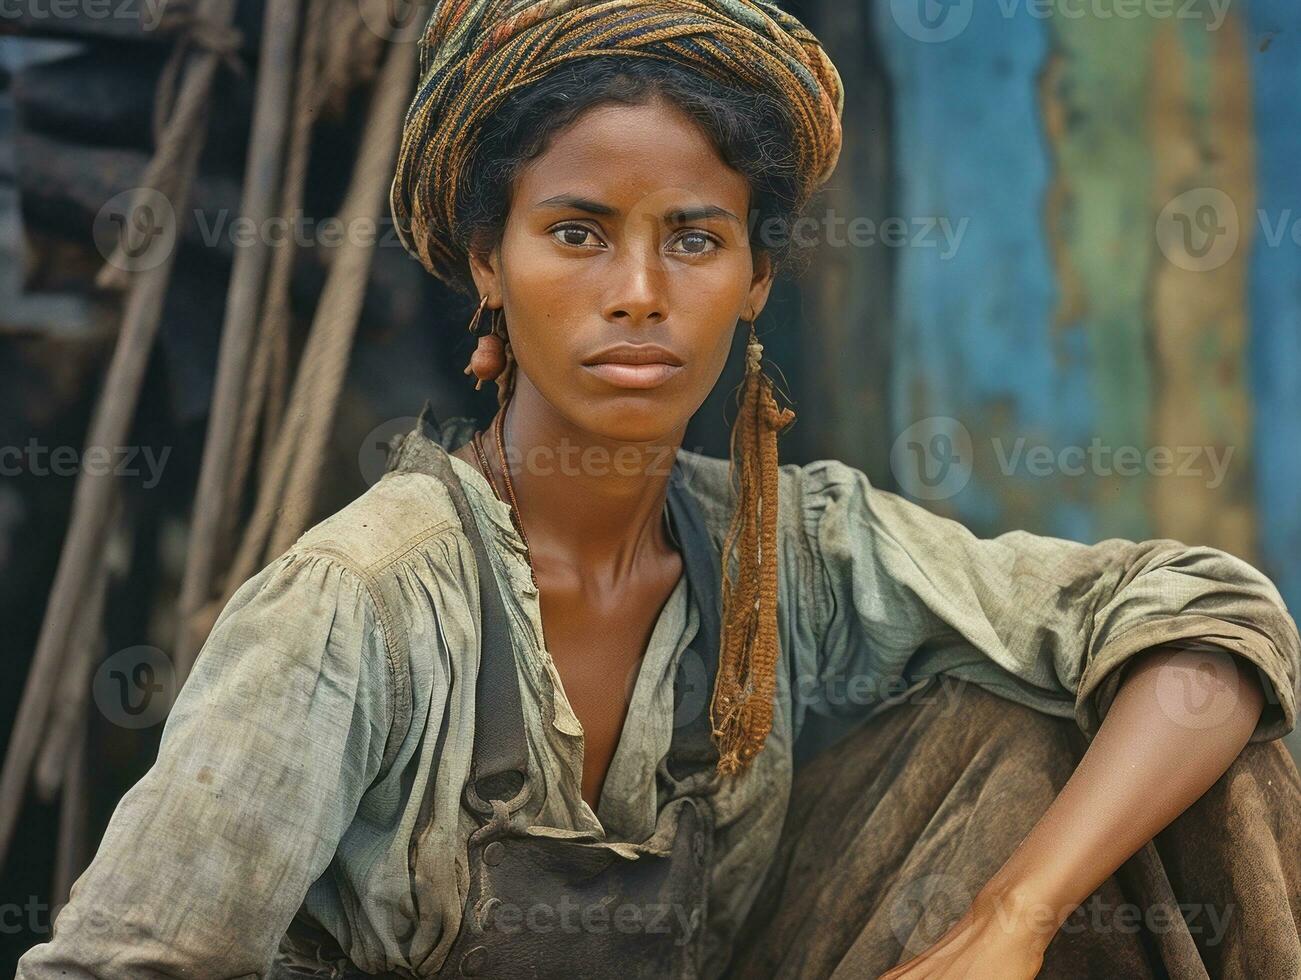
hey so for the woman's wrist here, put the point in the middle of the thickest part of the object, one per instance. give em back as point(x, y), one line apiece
point(1023, 908)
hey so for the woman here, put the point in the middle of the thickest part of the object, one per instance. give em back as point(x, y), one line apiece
point(505, 715)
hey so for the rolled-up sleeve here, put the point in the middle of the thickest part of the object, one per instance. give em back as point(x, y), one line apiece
point(263, 759)
point(901, 593)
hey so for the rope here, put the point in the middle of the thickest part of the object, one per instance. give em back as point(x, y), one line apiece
point(286, 491)
point(243, 299)
point(180, 112)
point(263, 402)
point(340, 305)
point(82, 551)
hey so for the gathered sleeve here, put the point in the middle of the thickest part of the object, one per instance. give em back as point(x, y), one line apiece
point(263, 759)
point(901, 593)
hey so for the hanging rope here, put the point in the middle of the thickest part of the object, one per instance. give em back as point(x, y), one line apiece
point(174, 168)
point(287, 489)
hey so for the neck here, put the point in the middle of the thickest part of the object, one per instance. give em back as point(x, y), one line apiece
point(592, 507)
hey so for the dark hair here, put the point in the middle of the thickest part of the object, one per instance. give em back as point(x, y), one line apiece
point(750, 129)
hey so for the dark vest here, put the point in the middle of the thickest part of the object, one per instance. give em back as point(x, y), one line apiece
point(547, 908)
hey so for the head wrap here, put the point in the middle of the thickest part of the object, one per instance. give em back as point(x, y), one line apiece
point(475, 53)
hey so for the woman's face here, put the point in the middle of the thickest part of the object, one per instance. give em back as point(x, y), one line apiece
point(628, 230)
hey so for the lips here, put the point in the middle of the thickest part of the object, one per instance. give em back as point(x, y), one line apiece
point(635, 354)
point(636, 366)
point(634, 375)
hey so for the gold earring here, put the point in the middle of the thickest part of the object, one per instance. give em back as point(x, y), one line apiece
point(478, 316)
point(753, 352)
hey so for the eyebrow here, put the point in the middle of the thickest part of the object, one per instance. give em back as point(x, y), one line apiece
point(676, 215)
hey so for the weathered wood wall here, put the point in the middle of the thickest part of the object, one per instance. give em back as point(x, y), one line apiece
point(1129, 276)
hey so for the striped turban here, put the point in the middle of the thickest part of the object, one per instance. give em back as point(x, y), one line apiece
point(475, 53)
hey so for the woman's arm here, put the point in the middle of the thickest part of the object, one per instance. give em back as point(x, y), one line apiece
point(265, 754)
point(1179, 719)
point(896, 592)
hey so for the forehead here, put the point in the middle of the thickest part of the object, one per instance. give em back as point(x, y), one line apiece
point(620, 153)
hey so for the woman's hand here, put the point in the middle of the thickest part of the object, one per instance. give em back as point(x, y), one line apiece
point(1156, 751)
point(990, 942)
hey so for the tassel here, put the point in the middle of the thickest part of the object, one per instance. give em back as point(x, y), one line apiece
point(742, 706)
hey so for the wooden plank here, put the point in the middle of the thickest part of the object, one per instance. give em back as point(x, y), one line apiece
point(848, 291)
point(1095, 103)
point(1272, 43)
point(1200, 120)
point(971, 330)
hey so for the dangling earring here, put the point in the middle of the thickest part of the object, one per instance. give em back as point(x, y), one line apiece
point(741, 709)
point(489, 357)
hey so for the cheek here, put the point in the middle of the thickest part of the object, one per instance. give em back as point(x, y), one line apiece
point(723, 335)
point(542, 296)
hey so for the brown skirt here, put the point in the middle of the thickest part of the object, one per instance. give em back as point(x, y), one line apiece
point(893, 829)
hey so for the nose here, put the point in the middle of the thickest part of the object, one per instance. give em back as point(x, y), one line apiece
point(639, 289)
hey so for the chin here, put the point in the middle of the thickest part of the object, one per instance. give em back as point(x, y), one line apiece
point(633, 416)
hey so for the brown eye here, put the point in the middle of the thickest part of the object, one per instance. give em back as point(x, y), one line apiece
point(573, 235)
point(696, 243)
